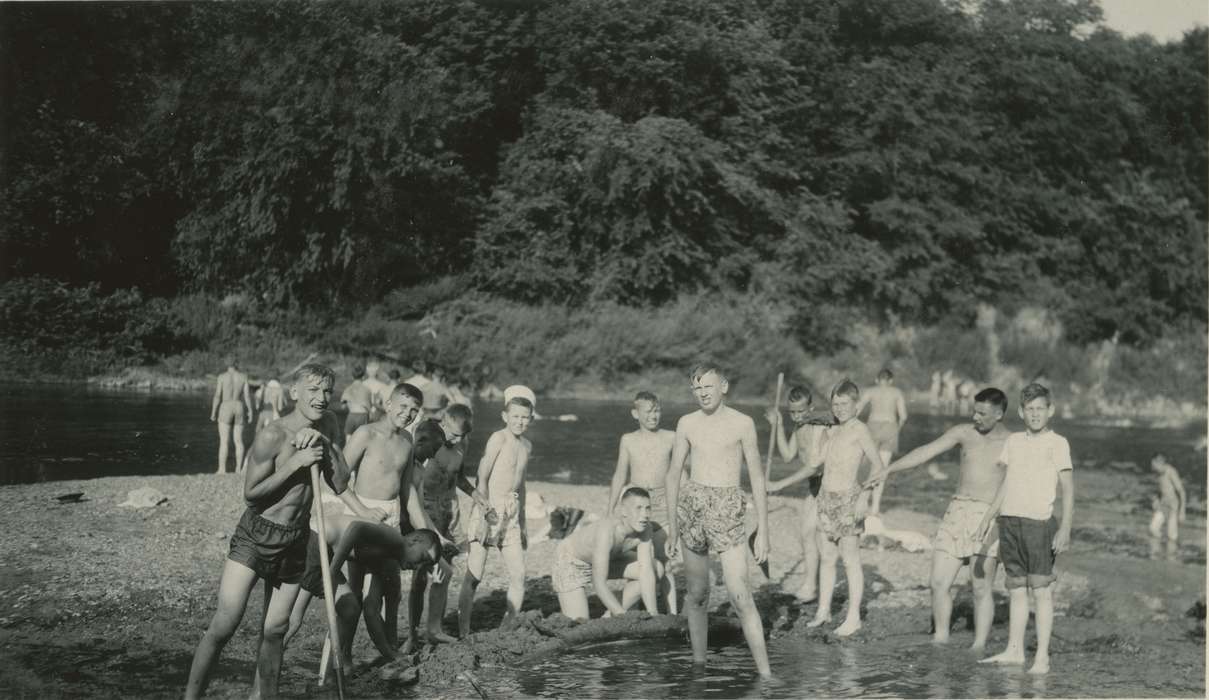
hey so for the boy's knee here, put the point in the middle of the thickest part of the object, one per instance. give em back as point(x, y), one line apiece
point(742, 600)
point(696, 596)
point(276, 629)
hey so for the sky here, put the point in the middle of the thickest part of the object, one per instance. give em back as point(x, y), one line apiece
point(1163, 19)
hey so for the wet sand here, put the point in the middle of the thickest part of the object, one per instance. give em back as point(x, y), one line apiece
point(100, 600)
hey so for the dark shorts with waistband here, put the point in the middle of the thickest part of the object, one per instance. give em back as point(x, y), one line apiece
point(312, 577)
point(276, 552)
point(1026, 548)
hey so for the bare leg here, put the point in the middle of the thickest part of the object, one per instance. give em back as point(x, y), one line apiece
point(233, 590)
point(237, 434)
point(297, 615)
point(475, 562)
point(224, 440)
point(1017, 621)
point(514, 559)
point(669, 581)
point(944, 572)
point(810, 550)
point(828, 552)
point(276, 622)
point(415, 610)
point(734, 574)
point(392, 595)
point(574, 604)
point(1045, 625)
point(438, 598)
point(982, 575)
point(696, 600)
point(850, 550)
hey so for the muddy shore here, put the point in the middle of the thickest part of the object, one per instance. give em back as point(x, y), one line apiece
point(100, 600)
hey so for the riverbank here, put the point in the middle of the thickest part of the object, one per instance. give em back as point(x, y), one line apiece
point(101, 600)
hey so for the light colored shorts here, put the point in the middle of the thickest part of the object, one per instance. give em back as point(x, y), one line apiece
point(837, 514)
point(505, 531)
point(332, 505)
point(885, 435)
point(957, 533)
point(570, 573)
point(711, 518)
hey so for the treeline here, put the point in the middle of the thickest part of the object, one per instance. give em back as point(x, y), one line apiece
point(895, 160)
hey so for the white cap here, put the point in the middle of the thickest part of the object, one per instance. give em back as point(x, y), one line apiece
point(523, 392)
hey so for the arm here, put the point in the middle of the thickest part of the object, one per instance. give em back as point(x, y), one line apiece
point(247, 400)
point(989, 517)
point(674, 471)
point(601, 549)
point(1179, 491)
point(216, 401)
point(759, 488)
point(621, 474)
point(262, 479)
point(877, 472)
point(900, 407)
point(522, 461)
point(1062, 538)
point(788, 448)
point(646, 576)
point(925, 453)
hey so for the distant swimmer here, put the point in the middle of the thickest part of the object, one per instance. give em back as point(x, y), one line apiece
point(887, 414)
point(231, 409)
point(1170, 505)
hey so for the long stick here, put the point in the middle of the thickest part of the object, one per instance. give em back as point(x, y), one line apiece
point(776, 426)
point(329, 596)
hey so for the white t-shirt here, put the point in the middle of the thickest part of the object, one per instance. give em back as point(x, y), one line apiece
point(1031, 481)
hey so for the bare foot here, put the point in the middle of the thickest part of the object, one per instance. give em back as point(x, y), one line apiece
point(978, 647)
point(409, 646)
point(806, 594)
point(1009, 656)
point(940, 639)
point(819, 620)
point(848, 628)
point(440, 637)
point(1040, 665)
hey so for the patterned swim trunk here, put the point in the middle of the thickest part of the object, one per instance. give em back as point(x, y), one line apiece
point(958, 532)
point(711, 518)
point(837, 514)
point(570, 573)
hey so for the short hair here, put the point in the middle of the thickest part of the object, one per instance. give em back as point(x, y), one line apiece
point(646, 396)
point(885, 374)
point(846, 387)
point(1159, 456)
point(635, 492)
point(419, 546)
point(394, 373)
point(315, 371)
point(705, 367)
point(797, 392)
point(358, 371)
point(409, 391)
point(519, 401)
point(420, 366)
point(992, 396)
point(462, 415)
point(1034, 391)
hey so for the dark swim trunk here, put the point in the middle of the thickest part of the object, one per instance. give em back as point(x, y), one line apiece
point(354, 421)
point(814, 483)
point(312, 578)
point(276, 552)
point(1026, 548)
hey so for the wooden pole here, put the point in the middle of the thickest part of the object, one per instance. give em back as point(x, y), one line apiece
point(329, 596)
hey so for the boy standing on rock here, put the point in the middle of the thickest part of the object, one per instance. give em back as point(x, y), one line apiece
point(718, 441)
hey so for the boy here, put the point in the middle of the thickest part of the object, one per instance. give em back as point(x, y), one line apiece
point(956, 541)
point(887, 415)
point(502, 472)
point(841, 502)
point(270, 542)
point(718, 441)
point(357, 400)
point(647, 451)
point(584, 559)
point(1171, 503)
point(1036, 462)
point(440, 453)
point(802, 442)
point(231, 398)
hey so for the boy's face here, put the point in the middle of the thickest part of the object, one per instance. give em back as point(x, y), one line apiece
point(1036, 413)
point(402, 410)
point(1157, 464)
point(312, 396)
point(798, 410)
point(709, 389)
point(636, 512)
point(647, 413)
point(453, 434)
point(517, 419)
point(842, 407)
point(986, 415)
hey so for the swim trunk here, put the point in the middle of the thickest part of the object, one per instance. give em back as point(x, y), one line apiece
point(837, 514)
point(505, 531)
point(354, 421)
point(711, 518)
point(444, 516)
point(958, 532)
point(658, 505)
point(276, 552)
point(312, 577)
point(1026, 548)
point(885, 435)
point(570, 573)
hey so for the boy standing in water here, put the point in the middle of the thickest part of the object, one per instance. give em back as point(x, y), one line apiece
point(231, 408)
point(841, 502)
point(1171, 503)
point(802, 442)
point(887, 414)
point(718, 441)
point(1036, 462)
point(502, 523)
point(270, 542)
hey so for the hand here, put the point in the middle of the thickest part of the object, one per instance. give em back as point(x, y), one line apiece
point(773, 415)
point(760, 550)
point(213, 418)
point(1062, 540)
point(775, 486)
point(491, 516)
point(872, 483)
point(984, 529)
point(306, 457)
point(441, 571)
point(307, 437)
point(376, 514)
point(247, 418)
point(672, 546)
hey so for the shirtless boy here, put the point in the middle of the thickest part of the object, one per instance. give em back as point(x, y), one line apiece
point(802, 442)
point(591, 555)
point(840, 504)
point(956, 542)
point(887, 414)
point(1171, 505)
point(231, 408)
point(357, 400)
point(270, 542)
point(718, 441)
point(502, 523)
point(643, 457)
point(440, 453)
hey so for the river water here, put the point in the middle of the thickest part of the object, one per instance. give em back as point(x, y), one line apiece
point(58, 432)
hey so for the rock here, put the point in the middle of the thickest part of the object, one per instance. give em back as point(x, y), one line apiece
point(144, 497)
